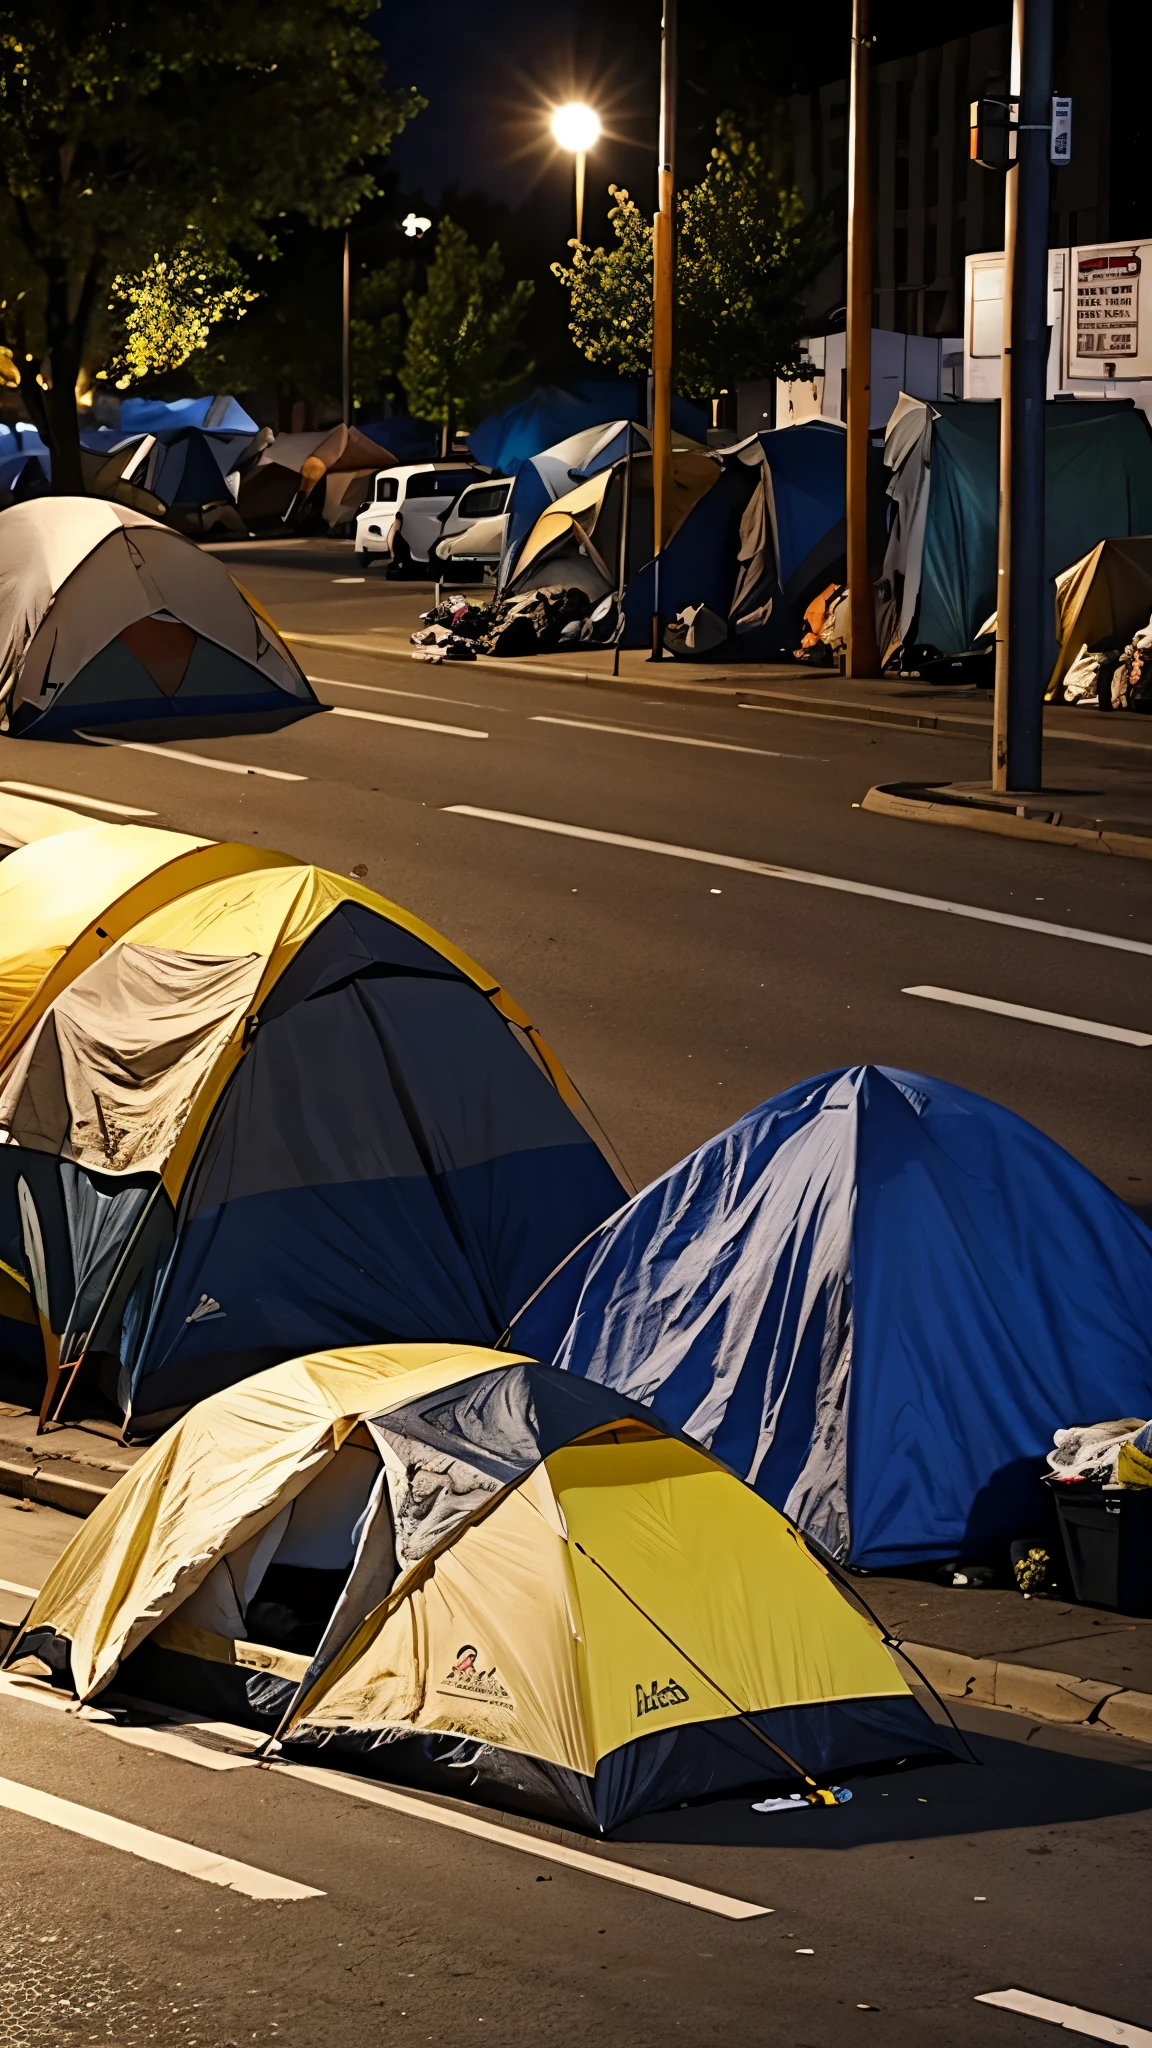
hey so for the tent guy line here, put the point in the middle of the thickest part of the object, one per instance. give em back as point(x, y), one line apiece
point(673, 739)
point(76, 796)
point(166, 1850)
point(1029, 1016)
point(1073, 2018)
point(455, 732)
point(838, 883)
point(99, 739)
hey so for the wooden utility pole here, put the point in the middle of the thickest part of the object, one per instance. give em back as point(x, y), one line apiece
point(663, 241)
point(863, 653)
point(346, 335)
point(1023, 599)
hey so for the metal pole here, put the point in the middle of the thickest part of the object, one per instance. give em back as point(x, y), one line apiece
point(1023, 601)
point(863, 653)
point(663, 238)
point(346, 334)
point(625, 523)
point(581, 163)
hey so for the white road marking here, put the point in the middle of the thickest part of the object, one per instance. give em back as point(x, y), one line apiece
point(1027, 1016)
point(380, 690)
point(168, 1742)
point(811, 881)
point(349, 579)
point(152, 1848)
point(530, 1845)
point(456, 732)
point(10, 1586)
point(99, 739)
point(1072, 2018)
point(76, 796)
point(671, 739)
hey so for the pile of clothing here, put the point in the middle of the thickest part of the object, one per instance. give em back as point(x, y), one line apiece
point(827, 622)
point(1104, 1453)
point(1113, 678)
point(537, 622)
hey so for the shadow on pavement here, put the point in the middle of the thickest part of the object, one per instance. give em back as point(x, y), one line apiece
point(1013, 1786)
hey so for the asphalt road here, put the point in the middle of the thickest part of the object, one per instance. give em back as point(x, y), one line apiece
point(676, 1008)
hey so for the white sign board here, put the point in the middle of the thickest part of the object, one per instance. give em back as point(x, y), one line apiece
point(1106, 311)
point(1060, 148)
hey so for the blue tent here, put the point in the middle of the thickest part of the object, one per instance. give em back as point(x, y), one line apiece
point(152, 415)
point(554, 412)
point(407, 439)
point(876, 1297)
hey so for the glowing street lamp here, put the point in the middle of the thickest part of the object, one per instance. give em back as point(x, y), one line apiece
point(577, 128)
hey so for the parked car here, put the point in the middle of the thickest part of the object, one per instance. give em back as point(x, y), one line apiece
point(472, 531)
point(402, 518)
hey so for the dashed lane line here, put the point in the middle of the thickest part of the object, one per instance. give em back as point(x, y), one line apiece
point(77, 796)
point(456, 732)
point(1024, 1015)
point(166, 1850)
point(100, 739)
point(1073, 2018)
point(672, 739)
point(382, 690)
point(1036, 926)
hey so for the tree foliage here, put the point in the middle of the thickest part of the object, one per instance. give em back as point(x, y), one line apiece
point(166, 311)
point(459, 358)
point(121, 123)
point(745, 249)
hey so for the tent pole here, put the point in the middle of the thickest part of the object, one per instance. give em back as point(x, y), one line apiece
point(863, 653)
point(625, 522)
point(663, 237)
point(1023, 601)
point(346, 334)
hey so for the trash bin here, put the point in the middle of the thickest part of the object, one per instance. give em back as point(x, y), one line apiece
point(1107, 1536)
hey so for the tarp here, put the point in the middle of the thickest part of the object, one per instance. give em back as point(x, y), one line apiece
point(407, 439)
point(153, 415)
point(941, 557)
point(107, 618)
point(530, 1593)
point(1102, 600)
point(553, 412)
point(339, 1126)
point(876, 1297)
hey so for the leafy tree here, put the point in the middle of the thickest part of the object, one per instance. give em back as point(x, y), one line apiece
point(462, 329)
point(122, 125)
point(745, 249)
point(166, 311)
point(379, 328)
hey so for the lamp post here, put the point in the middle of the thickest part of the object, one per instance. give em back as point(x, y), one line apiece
point(577, 128)
point(863, 653)
point(346, 335)
point(663, 232)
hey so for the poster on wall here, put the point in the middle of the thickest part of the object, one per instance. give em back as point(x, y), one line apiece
point(1107, 311)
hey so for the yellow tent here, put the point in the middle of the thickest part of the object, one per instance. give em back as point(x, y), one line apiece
point(481, 1574)
point(576, 538)
point(1101, 601)
point(260, 1114)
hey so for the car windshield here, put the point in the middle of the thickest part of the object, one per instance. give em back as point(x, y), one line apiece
point(439, 483)
point(386, 490)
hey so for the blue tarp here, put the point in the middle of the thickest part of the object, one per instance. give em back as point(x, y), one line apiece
point(152, 415)
point(407, 439)
point(553, 412)
point(876, 1297)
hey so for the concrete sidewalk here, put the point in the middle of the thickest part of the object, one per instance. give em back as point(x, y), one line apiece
point(1047, 1658)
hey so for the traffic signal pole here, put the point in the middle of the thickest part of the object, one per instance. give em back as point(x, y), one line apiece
point(863, 653)
point(1023, 600)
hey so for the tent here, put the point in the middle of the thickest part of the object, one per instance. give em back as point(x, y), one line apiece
point(108, 619)
point(479, 1575)
point(185, 475)
point(344, 463)
point(153, 415)
point(1102, 600)
point(280, 1112)
point(940, 566)
point(68, 890)
point(876, 1297)
point(404, 438)
point(553, 413)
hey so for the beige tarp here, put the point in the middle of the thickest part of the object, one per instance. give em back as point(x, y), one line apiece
point(343, 450)
point(1102, 600)
point(109, 1075)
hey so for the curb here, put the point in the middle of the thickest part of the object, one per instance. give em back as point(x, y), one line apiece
point(53, 1489)
point(1027, 1689)
point(727, 689)
point(918, 805)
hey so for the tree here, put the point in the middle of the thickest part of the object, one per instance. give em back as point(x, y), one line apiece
point(167, 310)
point(461, 334)
point(124, 125)
point(745, 249)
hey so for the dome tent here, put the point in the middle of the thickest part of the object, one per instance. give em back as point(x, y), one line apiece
point(108, 619)
point(277, 1112)
point(479, 1575)
point(876, 1297)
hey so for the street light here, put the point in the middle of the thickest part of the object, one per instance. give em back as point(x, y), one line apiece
point(577, 128)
